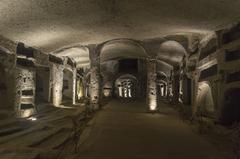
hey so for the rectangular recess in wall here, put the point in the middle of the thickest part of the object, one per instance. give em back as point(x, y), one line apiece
point(207, 51)
point(26, 106)
point(232, 55)
point(211, 71)
point(231, 35)
point(22, 50)
point(55, 59)
point(233, 77)
point(27, 92)
point(25, 62)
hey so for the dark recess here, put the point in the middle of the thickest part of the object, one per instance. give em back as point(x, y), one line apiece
point(26, 106)
point(27, 92)
point(22, 50)
point(207, 51)
point(232, 55)
point(233, 77)
point(25, 62)
point(128, 65)
point(55, 59)
point(232, 35)
point(211, 71)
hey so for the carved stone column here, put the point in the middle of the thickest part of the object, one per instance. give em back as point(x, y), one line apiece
point(57, 83)
point(151, 85)
point(74, 89)
point(94, 79)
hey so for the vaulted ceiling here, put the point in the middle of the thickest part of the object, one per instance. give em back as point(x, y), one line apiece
point(52, 24)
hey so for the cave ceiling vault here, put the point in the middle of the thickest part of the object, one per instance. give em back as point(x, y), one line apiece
point(53, 24)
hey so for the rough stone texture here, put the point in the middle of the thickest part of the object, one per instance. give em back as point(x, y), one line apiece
point(57, 83)
point(126, 130)
point(94, 87)
point(41, 58)
point(7, 81)
point(25, 80)
point(43, 81)
point(52, 24)
point(74, 86)
point(151, 85)
point(68, 83)
point(8, 44)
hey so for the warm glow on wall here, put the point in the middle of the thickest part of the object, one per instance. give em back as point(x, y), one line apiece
point(152, 104)
point(80, 92)
point(107, 92)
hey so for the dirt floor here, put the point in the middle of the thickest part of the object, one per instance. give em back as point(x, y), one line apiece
point(123, 129)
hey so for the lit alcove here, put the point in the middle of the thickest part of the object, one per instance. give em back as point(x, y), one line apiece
point(125, 86)
point(205, 103)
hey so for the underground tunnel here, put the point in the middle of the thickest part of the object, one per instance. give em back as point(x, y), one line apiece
point(111, 79)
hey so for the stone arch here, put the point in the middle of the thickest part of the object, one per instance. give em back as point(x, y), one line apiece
point(208, 45)
point(126, 86)
point(181, 39)
point(162, 84)
point(171, 52)
point(121, 48)
point(78, 53)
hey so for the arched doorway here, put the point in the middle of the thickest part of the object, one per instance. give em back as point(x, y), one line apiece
point(162, 84)
point(67, 85)
point(231, 109)
point(42, 93)
point(126, 86)
point(171, 53)
point(122, 57)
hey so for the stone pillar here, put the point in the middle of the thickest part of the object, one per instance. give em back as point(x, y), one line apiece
point(25, 92)
point(151, 85)
point(57, 83)
point(176, 84)
point(165, 90)
point(94, 88)
point(74, 71)
point(94, 54)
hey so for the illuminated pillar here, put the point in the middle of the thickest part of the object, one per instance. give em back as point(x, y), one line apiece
point(165, 90)
point(120, 91)
point(57, 84)
point(94, 88)
point(176, 84)
point(151, 85)
point(74, 71)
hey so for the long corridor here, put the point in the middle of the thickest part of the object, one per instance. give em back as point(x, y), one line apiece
point(123, 130)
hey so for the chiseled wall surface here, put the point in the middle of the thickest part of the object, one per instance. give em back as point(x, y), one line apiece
point(25, 80)
point(7, 73)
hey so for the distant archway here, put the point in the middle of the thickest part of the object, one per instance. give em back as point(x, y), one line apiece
point(162, 84)
point(120, 49)
point(126, 86)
